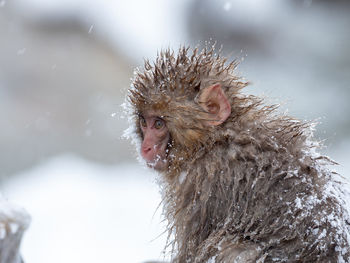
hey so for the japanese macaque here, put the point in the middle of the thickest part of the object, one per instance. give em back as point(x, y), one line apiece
point(241, 182)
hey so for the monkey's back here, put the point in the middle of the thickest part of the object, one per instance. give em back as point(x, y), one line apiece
point(288, 201)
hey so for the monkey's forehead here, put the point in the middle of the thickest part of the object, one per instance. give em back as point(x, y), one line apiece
point(153, 107)
point(150, 113)
point(158, 102)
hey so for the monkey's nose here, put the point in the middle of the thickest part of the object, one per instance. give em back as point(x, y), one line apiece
point(146, 150)
point(147, 153)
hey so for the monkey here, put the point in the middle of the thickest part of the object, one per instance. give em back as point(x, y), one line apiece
point(240, 181)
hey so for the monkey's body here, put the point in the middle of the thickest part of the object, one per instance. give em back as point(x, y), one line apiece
point(241, 183)
point(262, 193)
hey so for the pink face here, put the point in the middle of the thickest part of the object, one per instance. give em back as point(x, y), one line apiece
point(155, 141)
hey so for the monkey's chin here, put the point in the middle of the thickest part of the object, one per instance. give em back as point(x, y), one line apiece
point(158, 165)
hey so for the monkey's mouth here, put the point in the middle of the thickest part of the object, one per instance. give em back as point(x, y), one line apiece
point(160, 161)
point(157, 158)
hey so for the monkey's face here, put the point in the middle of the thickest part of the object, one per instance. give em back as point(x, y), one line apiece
point(155, 141)
point(186, 124)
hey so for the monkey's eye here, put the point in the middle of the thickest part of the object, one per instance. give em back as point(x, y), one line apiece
point(158, 124)
point(143, 122)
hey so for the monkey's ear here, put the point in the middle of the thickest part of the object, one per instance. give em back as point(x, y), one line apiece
point(214, 101)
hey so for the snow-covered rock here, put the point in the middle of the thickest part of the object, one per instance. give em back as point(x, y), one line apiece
point(14, 220)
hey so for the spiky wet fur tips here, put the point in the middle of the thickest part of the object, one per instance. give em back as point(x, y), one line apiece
point(256, 181)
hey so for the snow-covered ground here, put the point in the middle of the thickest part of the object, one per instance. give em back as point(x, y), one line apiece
point(84, 212)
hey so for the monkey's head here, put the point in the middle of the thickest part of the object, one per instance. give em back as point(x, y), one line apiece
point(177, 103)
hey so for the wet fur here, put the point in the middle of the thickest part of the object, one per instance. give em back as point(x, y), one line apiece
point(253, 189)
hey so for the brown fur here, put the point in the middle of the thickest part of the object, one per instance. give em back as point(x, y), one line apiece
point(252, 189)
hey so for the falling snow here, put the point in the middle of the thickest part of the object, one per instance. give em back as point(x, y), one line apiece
point(91, 28)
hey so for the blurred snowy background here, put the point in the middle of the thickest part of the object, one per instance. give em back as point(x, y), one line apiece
point(64, 70)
